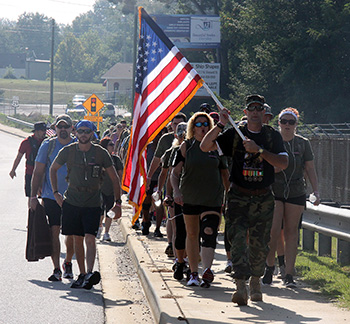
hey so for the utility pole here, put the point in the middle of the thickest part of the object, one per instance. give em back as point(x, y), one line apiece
point(51, 73)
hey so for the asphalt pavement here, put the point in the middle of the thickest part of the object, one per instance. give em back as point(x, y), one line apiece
point(173, 301)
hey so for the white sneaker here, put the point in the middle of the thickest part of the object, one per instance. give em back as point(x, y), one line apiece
point(228, 268)
point(106, 237)
point(194, 279)
point(99, 232)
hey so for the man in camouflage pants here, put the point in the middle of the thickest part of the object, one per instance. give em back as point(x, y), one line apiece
point(250, 202)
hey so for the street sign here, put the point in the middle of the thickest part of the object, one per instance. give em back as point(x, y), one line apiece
point(93, 104)
point(94, 118)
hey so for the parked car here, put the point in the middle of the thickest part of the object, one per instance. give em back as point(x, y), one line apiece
point(78, 100)
point(77, 111)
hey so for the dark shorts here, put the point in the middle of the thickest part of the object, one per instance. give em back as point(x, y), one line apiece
point(53, 211)
point(300, 201)
point(27, 185)
point(197, 209)
point(80, 220)
point(107, 203)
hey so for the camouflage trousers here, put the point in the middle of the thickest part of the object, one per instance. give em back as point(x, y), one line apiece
point(248, 221)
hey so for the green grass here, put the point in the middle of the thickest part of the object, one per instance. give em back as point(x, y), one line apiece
point(38, 92)
point(325, 275)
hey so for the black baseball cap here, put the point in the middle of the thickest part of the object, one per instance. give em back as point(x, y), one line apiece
point(39, 126)
point(254, 98)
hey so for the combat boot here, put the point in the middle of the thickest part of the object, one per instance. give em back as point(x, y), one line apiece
point(255, 289)
point(240, 296)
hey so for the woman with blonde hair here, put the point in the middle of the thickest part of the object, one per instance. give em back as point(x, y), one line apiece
point(289, 190)
point(200, 192)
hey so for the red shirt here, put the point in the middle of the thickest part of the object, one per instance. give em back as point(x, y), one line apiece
point(26, 148)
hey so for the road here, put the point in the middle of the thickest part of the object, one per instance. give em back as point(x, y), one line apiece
point(28, 109)
point(27, 295)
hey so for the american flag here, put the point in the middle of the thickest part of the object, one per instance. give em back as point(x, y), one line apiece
point(164, 83)
point(50, 132)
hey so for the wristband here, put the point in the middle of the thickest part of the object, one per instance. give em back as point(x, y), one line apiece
point(221, 126)
point(55, 192)
point(118, 205)
point(32, 198)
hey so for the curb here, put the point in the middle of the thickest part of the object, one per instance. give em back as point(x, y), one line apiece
point(160, 296)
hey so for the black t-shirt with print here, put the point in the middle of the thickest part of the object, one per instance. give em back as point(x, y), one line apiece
point(249, 170)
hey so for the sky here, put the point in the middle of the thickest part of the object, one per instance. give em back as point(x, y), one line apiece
point(63, 11)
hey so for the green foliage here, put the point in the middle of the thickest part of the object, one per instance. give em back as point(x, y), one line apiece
point(325, 275)
point(9, 74)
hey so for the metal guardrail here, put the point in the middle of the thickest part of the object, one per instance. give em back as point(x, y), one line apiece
point(328, 222)
point(18, 121)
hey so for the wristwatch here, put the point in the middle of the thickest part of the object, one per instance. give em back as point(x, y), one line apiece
point(118, 201)
point(261, 150)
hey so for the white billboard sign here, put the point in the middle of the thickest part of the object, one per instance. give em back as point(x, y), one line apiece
point(210, 73)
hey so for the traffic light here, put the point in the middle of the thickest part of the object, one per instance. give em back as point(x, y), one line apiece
point(93, 105)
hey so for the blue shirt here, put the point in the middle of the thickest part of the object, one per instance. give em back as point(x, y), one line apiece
point(61, 174)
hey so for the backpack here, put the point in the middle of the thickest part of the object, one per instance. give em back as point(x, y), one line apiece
point(34, 145)
point(97, 158)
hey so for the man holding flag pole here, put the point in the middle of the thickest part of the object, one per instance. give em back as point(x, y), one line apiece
point(164, 83)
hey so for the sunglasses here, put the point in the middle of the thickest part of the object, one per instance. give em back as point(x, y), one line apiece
point(205, 124)
point(288, 121)
point(257, 108)
point(84, 131)
point(65, 126)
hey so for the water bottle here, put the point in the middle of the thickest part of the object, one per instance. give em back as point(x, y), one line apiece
point(111, 214)
point(156, 198)
point(312, 198)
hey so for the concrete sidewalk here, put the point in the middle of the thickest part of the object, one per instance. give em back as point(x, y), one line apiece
point(173, 302)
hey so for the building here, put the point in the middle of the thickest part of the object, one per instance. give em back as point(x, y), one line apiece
point(118, 82)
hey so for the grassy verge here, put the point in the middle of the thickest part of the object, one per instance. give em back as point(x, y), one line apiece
point(38, 92)
point(325, 275)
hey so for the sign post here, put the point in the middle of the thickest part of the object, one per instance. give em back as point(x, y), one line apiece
point(93, 105)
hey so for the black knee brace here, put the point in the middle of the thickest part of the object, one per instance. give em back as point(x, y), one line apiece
point(211, 222)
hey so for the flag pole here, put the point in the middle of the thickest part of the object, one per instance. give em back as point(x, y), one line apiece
point(221, 107)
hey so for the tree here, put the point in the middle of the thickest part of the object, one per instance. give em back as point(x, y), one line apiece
point(71, 59)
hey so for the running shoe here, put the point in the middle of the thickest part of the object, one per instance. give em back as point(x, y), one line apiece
point(229, 266)
point(157, 233)
point(207, 278)
point(67, 270)
point(91, 279)
point(56, 276)
point(267, 278)
point(136, 226)
point(79, 282)
point(99, 232)
point(179, 270)
point(194, 279)
point(106, 237)
point(289, 282)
